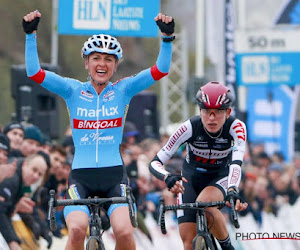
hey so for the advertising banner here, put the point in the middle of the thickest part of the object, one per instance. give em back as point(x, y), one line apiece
point(113, 17)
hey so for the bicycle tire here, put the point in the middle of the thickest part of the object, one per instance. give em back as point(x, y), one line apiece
point(94, 244)
point(200, 243)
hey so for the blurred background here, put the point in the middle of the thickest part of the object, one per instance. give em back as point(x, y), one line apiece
point(251, 46)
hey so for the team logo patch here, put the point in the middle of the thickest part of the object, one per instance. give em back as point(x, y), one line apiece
point(73, 192)
point(199, 138)
point(109, 96)
point(87, 94)
point(221, 140)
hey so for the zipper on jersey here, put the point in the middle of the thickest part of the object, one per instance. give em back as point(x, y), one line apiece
point(97, 130)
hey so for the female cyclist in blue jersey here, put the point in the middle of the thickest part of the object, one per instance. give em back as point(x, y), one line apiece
point(215, 143)
point(97, 110)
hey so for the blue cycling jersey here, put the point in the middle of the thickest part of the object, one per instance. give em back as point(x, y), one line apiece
point(96, 120)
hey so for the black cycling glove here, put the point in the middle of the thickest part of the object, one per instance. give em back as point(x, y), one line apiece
point(171, 180)
point(167, 28)
point(234, 195)
point(29, 27)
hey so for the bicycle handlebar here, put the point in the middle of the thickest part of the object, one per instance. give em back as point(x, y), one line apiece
point(161, 216)
point(196, 205)
point(90, 201)
point(51, 211)
point(130, 201)
point(233, 214)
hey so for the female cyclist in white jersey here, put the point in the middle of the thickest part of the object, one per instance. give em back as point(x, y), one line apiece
point(215, 143)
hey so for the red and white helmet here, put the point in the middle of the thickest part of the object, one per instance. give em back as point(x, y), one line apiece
point(214, 95)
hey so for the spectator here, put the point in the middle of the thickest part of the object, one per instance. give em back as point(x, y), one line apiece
point(248, 192)
point(47, 144)
point(265, 201)
point(68, 144)
point(131, 133)
point(12, 189)
point(6, 170)
point(256, 149)
point(33, 139)
point(280, 186)
point(278, 157)
point(150, 147)
point(263, 162)
point(57, 178)
point(4, 148)
point(15, 133)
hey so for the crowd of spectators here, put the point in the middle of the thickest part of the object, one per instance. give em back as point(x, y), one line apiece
point(31, 165)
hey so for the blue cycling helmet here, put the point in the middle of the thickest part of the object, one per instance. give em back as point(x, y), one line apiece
point(103, 44)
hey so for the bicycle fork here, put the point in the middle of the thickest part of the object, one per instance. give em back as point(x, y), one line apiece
point(95, 240)
point(95, 222)
point(203, 239)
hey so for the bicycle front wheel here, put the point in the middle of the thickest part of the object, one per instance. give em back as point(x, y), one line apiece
point(199, 243)
point(94, 244)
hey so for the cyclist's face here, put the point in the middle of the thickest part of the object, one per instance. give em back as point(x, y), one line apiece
point(101, 66)
point(214, 119)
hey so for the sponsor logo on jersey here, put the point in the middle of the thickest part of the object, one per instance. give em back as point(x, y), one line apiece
point(235, 176)
point(221, 140)
point(199, 138)
point(240, 131)
point(100, 124)
point(210, 153)
point(87, 94)
point(201, 144)
point(109, 96)
point(175, 137)
point(85, 99)
point(223, 183)
point(97, 112)
point(93, 137)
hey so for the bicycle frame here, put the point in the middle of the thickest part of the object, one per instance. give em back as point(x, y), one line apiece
point(94, 204)
point(95, 226)
point(201, 221)
point(203, 231)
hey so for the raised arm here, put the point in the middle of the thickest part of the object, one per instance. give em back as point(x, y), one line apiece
point(147, 77)
point(166, 25)
point(33, 68)
point(49, 80)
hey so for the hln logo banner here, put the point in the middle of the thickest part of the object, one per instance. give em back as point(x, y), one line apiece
point(114, 17)
point(92, 14)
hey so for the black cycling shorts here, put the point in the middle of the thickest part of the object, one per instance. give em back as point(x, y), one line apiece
point(91, 182)
point(197, 181)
